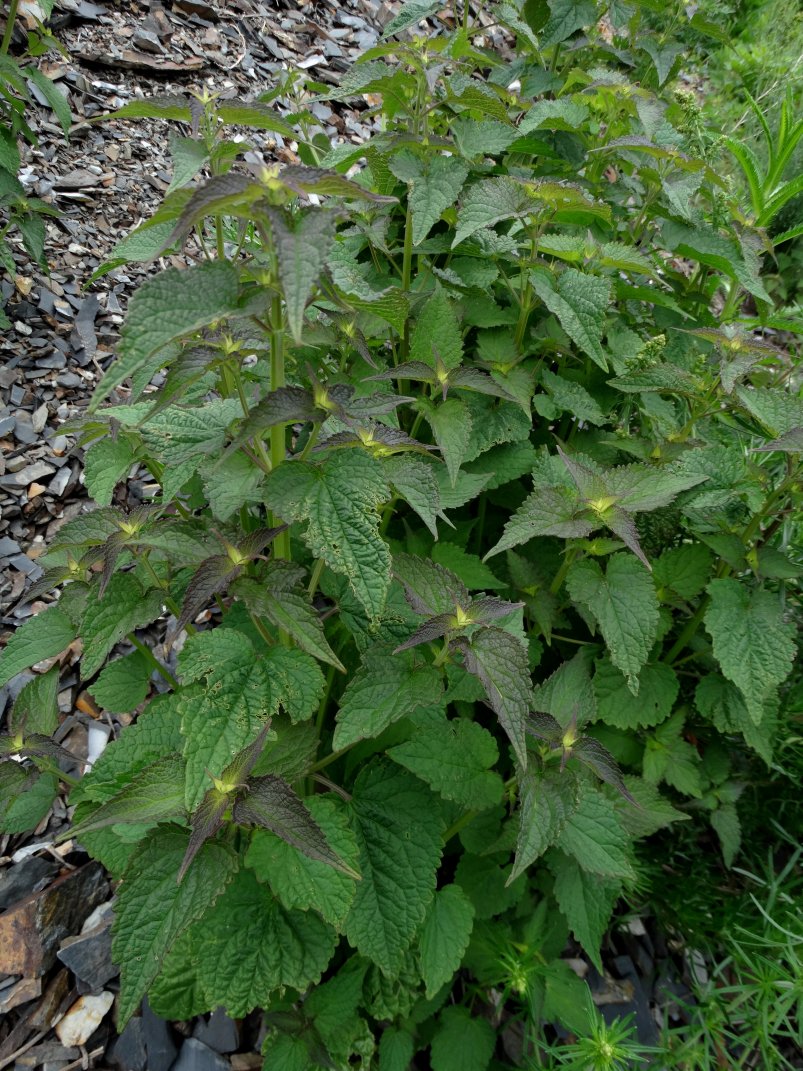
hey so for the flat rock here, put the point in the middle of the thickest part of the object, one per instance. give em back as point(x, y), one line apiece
point(20, 993)
point(158, 1040)
point(29, 474)
point(219, 1032)
point(32, 930)
point(31, 875)
point(195, 1056)
point(89, 957)
point(129, 1052)
point(83, 1018)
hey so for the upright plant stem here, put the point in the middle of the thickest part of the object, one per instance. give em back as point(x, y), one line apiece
point(150, 657)
point(407, 273)
point(11, 18)
point(281, 544)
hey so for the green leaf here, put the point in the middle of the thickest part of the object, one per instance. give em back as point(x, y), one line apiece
point(434, 184)
point(624, 603)
point(451, 427)
point(490, 201)
point(616, 704)
point(302, 251)
point(708, 247)
point(299, 881)
point(489, 137)
point(586, 902)
point(780, 412)
point(564, 114)
point(339, 500)
point(123, 683)
point(399, 833)
point(753, 644)
point(725, 820)
point(36, 707)
point(189, 156)
point(105, 464)
point(293, 612)
point(156, 794)
point(499, 662)
point(9, 152)
point(44, 635)
point(580, 302)
point(546, 800)
point(270, 802)
point(455, 759)
point(231, 709)
point(153, 736)
point(436, 335)
point(723, 704)
point(411, 12)
point(653, 811)
point(573, 398)
point(594, 835)
point(29, 797)
point(247, 946)
point(684, 569)
point(396, 1049)
point(152, 909)
point(668, 757)
point(123, 608)
point(462, 1042)
point(444, 937)
point(235, 481)
point(568, 693)
point(165, 307)
point(415, 482)
point(296, 681)
point(384, 689)
point(468, 567)
point(557, 511)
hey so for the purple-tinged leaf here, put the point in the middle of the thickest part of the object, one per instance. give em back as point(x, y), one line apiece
point(489, 608)
point(210, 578)
point(592, 754)
point(206, 821)
point(271, 803)
point(428, 587)
point(620, 522)
point(430, 630)
point(499, 661)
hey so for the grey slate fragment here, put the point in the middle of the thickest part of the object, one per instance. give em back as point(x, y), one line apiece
point(195, 1056)
point(158, 1040)
point(219, 1032)
point(22, 879)
point(27, 475)
point(129, 1051)
point(89, 957)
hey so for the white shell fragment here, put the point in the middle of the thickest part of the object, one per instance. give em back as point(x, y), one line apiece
point(83, 1019)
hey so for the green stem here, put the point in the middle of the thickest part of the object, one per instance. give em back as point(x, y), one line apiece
point(11, 18)
point(221, 246)
point(167, 599)
point(458, 825)
point(560, 576)
point(264, 460)
point(407, 273)
point(278, 433)
point(150, 657)
point(315, 578)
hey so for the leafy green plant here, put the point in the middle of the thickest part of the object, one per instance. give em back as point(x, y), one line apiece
point(16, 208)
point(471, 529)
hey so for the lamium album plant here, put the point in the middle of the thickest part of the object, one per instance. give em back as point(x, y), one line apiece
point(474, 471)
